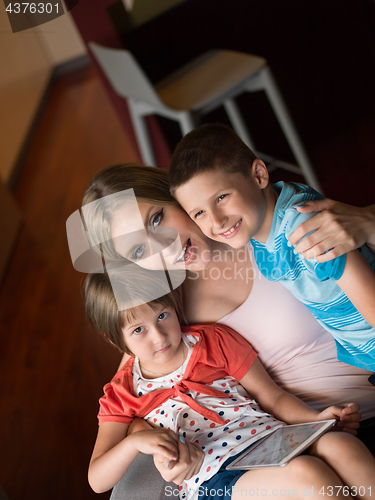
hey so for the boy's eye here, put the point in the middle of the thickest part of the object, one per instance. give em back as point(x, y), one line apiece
point(138, 330)
point(198, 214)
point(156, 220)
point(221, 197)
point(138, 252)
point(162, 316)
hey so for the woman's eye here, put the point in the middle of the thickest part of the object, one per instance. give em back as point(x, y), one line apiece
point(138, 330)
point(162, 316)
point(222, 197)
point(198, 214)
point(157, 218)
point(138, 253)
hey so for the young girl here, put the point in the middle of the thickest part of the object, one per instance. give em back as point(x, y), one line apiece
point(185, 386)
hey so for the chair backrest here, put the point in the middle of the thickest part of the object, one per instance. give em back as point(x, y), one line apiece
point(126, 76)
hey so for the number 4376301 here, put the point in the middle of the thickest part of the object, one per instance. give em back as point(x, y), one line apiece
point(334, 491)
point(40, 8)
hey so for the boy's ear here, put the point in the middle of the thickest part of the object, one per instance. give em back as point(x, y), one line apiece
point(260, 173)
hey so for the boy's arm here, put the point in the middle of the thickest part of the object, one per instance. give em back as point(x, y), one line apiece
point(114, 452)
point(358, 283)
point(289, 408)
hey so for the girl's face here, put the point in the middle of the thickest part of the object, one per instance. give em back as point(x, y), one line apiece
point(154, 335)
point(166, 228)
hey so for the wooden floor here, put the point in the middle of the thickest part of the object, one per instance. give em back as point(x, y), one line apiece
point(52, 365)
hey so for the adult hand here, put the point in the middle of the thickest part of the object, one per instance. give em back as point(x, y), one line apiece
point(189, 462)
point(347, 417)
point(338, 229)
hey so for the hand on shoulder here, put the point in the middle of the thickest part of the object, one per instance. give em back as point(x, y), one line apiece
point(337, 229)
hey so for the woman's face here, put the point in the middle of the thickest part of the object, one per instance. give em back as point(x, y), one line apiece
point(166, 228)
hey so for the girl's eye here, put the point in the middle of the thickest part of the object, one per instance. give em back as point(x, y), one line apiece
point(157, 218)
point(139, 252)
point(138, 330)
point(162, 316)
point(198, 214)
point(221, 197)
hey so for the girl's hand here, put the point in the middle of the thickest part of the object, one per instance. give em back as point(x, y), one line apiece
point(347, 418)
point(157, 441)
point(338, 229)
point(189, 462)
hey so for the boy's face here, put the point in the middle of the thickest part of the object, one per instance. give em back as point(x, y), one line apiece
point(154, 335)
point(229, 208)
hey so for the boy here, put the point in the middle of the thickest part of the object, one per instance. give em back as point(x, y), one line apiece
point(225, 189)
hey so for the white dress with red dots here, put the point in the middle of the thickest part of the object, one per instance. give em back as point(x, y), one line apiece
point(244, 421)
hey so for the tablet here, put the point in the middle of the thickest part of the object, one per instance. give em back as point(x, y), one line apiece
point(281, 445)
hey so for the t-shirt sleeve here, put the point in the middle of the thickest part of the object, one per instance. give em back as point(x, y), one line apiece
point(332, 269)
point(113, 407)
point(237, 353)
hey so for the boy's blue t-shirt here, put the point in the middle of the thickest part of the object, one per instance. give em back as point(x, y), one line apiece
point(314, 284)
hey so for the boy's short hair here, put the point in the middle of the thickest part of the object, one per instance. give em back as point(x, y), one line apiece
point(102, 308)
point(207, 148)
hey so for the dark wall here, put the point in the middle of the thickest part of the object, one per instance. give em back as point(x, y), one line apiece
point(322, 53)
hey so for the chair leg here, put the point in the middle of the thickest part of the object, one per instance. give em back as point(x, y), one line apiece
point(238, 123)
point(187, 122)
point(142, 135)
point(291, 134)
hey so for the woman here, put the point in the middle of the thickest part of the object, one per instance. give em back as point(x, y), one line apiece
point(224, 285)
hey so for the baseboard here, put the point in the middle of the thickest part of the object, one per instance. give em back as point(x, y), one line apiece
point(59, 71)
point(71, 66)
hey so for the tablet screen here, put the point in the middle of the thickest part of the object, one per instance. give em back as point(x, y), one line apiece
point(281, 444)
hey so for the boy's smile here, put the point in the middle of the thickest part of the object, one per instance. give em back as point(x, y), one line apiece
point(232, 231)
point(230, 207)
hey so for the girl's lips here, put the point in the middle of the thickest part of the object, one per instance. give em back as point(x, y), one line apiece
point(232, 231)
point(165, 349)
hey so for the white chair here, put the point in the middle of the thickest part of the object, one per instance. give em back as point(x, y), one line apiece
point(209, 81)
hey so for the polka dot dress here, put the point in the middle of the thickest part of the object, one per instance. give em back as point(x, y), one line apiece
point(244, 421)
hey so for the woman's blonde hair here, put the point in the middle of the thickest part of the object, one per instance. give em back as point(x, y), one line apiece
point(150, 185)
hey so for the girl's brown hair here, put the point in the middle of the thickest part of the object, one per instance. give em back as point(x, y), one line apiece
point(133, 285)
